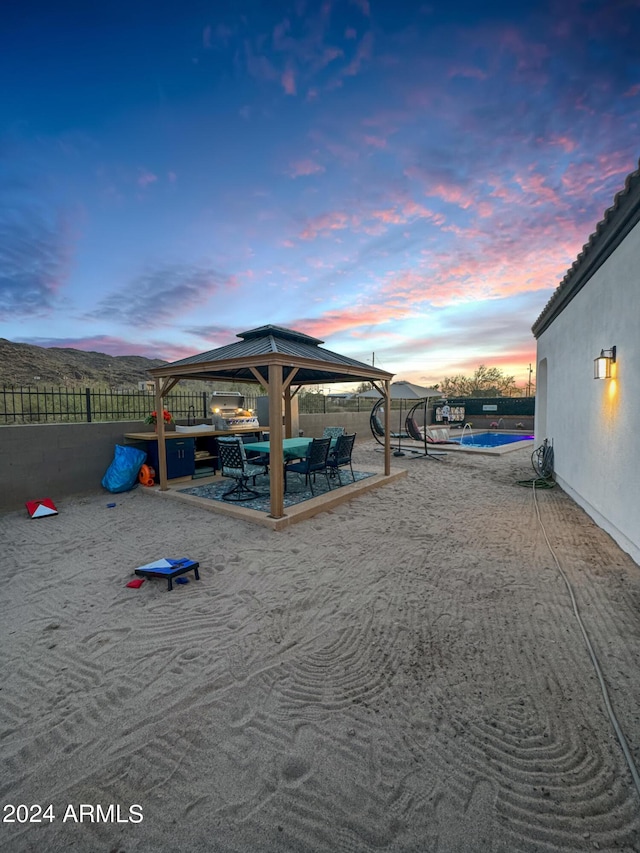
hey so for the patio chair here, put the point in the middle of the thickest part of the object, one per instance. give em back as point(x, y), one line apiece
point(233, 463)
point(377, 427)
point(256, 458)
point(340, 456)
point(413, 430)
point(333, 432)
point(416, 433)
point(315, 461)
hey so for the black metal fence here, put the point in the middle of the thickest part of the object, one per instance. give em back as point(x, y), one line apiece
point(84, 405)
point(321, 404)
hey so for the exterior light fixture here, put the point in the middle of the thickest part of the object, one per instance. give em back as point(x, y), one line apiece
point(602, 364)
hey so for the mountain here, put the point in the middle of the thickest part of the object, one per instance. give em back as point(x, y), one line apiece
point(24, 364)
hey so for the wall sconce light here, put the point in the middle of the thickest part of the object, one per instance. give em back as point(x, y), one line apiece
point(602, 364)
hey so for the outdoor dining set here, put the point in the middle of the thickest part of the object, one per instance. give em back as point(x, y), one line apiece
point(245, 461)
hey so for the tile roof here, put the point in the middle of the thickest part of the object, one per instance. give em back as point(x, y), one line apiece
point(616, 223)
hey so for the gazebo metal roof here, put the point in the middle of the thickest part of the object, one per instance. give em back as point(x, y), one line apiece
point(279, 359)
point(266, 345)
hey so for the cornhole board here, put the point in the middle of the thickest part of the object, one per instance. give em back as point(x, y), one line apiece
point(169, 569)
point(38, 509)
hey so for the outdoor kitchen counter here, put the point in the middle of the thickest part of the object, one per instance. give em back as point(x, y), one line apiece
point(187, 452)
point(200, 433)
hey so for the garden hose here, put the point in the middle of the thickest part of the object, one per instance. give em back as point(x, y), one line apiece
point(542, 462)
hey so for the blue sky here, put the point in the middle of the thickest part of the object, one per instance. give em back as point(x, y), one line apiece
point(406, 179)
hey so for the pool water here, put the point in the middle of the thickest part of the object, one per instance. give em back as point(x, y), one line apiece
point(489, 439)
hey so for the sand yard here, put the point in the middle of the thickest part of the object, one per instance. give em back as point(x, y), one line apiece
point(404, 673)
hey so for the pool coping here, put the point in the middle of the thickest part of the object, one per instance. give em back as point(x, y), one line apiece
point(483, 451)
point(492, 451)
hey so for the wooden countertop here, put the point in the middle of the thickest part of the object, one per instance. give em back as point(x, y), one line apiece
point(172, 434)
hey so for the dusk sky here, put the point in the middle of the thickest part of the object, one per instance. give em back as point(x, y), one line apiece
point(400, 178)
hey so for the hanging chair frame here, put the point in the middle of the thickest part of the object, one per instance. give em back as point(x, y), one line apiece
point(377, 430)
point(422, 404)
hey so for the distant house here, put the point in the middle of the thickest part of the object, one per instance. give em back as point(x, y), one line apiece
point(594, 423)
point(339, 397)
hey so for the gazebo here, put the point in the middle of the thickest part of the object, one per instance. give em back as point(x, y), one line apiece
point(283, 361)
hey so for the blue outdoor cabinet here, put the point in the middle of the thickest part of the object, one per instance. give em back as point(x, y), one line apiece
point(180, 457)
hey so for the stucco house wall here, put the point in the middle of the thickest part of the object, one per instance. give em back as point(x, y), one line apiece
point(595, 424)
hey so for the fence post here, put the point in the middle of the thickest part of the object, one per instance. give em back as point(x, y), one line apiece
point(204, 405)
point(87, 394)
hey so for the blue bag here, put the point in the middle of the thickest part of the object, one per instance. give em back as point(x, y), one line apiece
point(122, 474)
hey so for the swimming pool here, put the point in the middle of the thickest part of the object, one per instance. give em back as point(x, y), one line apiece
point(489, 439)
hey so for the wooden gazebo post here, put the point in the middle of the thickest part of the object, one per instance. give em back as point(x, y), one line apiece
point(287, 412)
point(276, 463)
point(162, 447)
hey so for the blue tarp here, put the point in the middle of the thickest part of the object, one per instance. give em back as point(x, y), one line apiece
point(122, 474)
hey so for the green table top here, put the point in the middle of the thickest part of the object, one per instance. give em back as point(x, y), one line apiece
point(292, 448)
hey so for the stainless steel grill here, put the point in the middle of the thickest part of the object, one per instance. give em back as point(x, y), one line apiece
point(228, 412)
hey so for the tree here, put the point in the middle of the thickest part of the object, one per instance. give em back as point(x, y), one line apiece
point(485, 382)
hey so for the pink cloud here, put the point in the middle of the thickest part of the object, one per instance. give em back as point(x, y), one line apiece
point(496, 268)
point(146, 178)
point(334, 322)
point(259, 66)
point(389, 216)
point(119, 346)
point(288, 81)
point(363, 53)
point(375, 141)
point(324, 225)
point(512, 360)
point(303, 168)
point(452, 194)
point(320, 264)
point(468, 71)
point(531, 56)
point(479, 267)
point(329, 54)
point(406, 211)
point(444, 187)
point(536, 188)
point(565, 142)
point(280, 31)
point(364, 7)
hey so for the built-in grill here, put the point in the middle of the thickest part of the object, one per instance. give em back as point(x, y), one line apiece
point(228, 411)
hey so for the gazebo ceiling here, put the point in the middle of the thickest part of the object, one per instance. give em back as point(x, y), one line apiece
point(267, 345)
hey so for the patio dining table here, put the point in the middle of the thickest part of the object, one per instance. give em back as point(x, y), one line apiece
point(292, 448)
